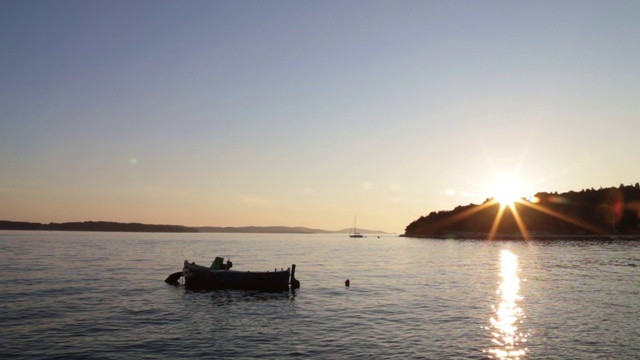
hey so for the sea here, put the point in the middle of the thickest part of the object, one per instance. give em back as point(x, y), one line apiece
point(99, 295)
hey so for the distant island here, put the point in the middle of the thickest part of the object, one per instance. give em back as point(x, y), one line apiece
point(604, 212)
point(137, 227)
point(279, 230)
point(95, 226)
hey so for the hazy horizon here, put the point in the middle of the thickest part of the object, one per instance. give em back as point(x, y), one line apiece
point(249, 113)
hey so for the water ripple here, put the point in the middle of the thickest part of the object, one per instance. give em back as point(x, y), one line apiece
point(101, 296)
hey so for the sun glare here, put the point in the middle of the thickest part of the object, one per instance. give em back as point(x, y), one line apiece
point(508, 191)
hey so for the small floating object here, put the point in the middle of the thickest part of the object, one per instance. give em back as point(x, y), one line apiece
point(347, 283)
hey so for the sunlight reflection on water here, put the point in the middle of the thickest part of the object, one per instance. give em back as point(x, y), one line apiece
point(509, 343)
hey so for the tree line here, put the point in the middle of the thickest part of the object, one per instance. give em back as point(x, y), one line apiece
point(604, 211)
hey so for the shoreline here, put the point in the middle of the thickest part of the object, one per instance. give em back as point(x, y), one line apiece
point(555, 237)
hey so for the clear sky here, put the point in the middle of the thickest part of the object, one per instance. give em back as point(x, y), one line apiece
point(308, 113)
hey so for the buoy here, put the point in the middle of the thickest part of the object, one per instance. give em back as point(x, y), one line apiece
point(346, 283)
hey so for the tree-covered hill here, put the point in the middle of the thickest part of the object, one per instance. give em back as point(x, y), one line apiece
point(604, 211)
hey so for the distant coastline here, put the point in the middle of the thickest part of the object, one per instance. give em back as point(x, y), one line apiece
point(105, 226)
point(95, 226)
point(606, 213)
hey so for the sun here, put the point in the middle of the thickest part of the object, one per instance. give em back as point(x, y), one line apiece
point(506, 191)
point(506, 196)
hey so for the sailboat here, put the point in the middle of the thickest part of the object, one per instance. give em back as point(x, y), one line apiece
point(354, 233)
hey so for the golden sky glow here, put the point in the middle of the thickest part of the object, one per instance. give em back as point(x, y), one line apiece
point(306, 113)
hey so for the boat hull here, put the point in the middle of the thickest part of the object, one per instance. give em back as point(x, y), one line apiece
point(197, 277)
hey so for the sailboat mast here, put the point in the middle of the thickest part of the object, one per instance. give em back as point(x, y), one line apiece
point(355, 233)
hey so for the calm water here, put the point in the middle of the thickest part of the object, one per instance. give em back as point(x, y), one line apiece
point(103, 296)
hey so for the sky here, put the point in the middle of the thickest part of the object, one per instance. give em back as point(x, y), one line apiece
point(309, 113)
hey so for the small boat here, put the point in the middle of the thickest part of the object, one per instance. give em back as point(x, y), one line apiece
point(354, 233)
point(219, 276)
